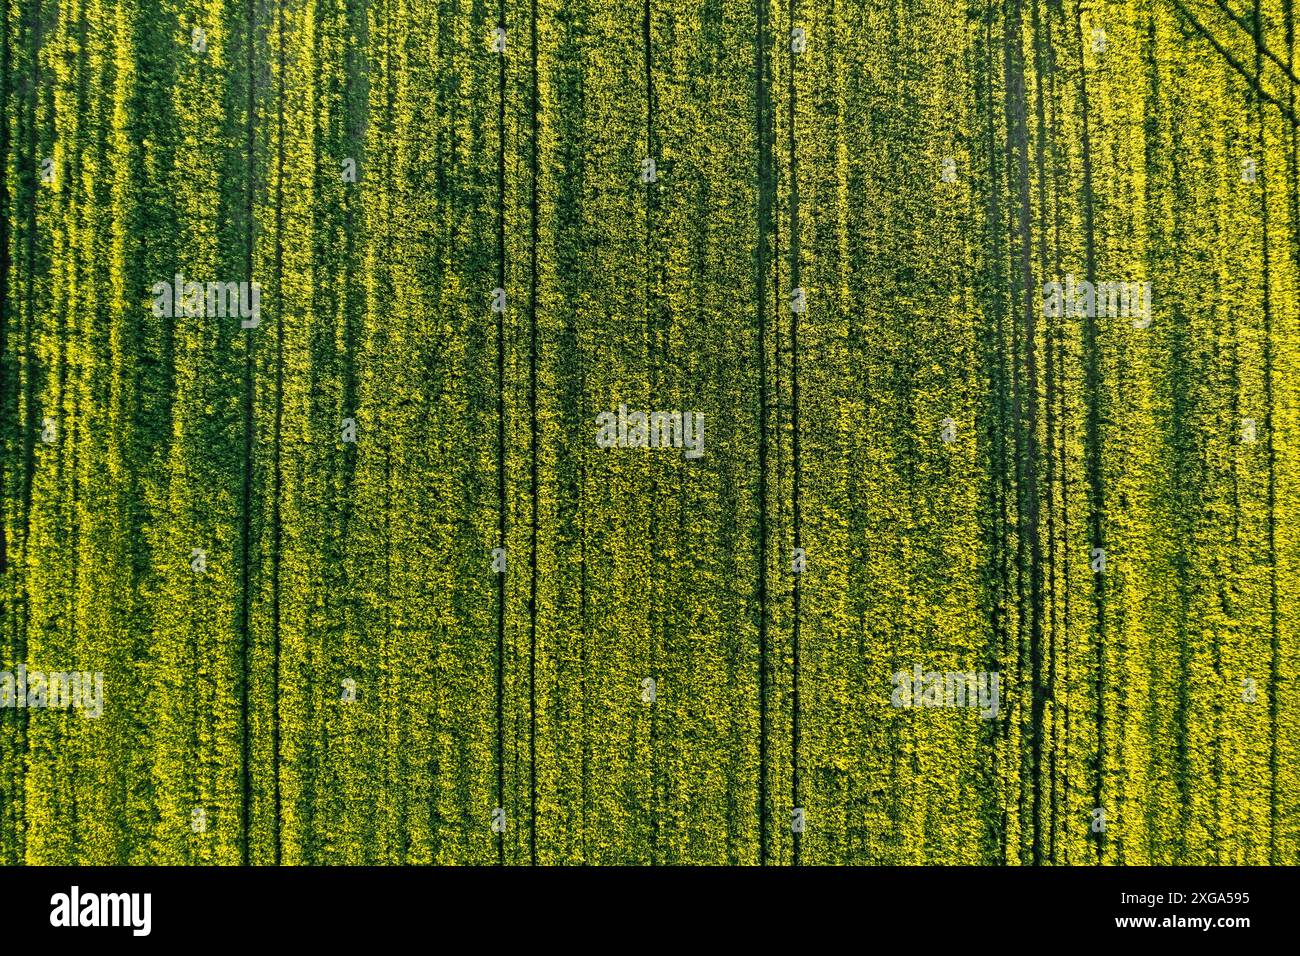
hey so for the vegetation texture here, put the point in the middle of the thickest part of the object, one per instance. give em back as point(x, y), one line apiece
point(826, 227)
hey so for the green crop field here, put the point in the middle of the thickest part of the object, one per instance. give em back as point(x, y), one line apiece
point(595, 431)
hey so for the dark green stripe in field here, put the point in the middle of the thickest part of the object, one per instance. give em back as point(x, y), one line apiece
point(823, 227)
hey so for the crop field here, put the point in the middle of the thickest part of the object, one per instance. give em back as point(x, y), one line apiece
point(645, 432)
